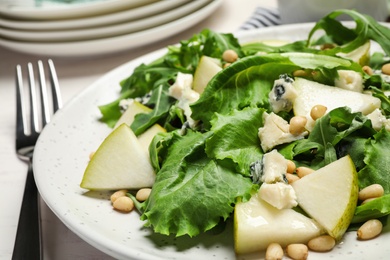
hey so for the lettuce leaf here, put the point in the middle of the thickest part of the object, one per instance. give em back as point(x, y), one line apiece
point(373, 209)
point(192, 192)
point(377, 169)
point(235, 136)
point(246, 82)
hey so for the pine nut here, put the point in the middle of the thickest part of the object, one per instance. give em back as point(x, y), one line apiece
point(372, 191)
point(291, 178)
point(368, 70)
point(226, 65)
point(328, 46)
point(367, 200)
point(143, 194)
point(290, 166)
point(299, 73)
point(229, 56)
point(297, 125)
point(386, 69)
point(322, 243)
point(318, 111)
point(274, 252)
point(369, 229)
point(118, 194)
point(297, 251)
point(302, 171)
point(124, 204)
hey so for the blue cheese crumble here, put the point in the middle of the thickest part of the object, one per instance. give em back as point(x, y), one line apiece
point(271, 172)
point(283, 94)
point(280, 195)
point(183, 92)
point(276, 131)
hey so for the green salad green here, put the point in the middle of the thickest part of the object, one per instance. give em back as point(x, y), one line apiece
point(201, 172)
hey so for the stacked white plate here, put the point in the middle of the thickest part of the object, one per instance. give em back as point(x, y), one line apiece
point(90, 27)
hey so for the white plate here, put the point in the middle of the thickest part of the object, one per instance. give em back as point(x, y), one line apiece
point(28, 10)
point(113, 44)
point(61, 156)
point(94, 21)
point(103, 31)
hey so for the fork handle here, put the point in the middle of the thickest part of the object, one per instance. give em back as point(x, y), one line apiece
point(28, 236)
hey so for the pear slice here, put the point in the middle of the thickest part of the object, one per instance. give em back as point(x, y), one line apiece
point(310, 93)
point(257, 224)
point(133, 109)
point(329, 195)
point(205, 71)
point(146, 137)
point(360, 55)
point(120, 162)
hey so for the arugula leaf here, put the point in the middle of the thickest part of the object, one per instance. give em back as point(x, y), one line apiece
point(366, 29)
point(192, 192)
point(377, 60)
point(230, 141)
point(256, 47)
point(144, 79)
point(323, 144)
point(186, 56)
point(111, 112)
point(161, 103)
point(385, 100)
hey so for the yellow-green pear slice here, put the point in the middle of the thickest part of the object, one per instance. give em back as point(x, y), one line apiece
point(310, 93)
point(329, 195)
point(146, 137)
point(133, 109)
point(360, 55)
point(120, 162)
point(205, 71)
point(257, 224)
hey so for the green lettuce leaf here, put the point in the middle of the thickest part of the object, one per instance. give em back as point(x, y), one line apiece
point(235, 136)
point(246, 82)
point(373, 209)
point(377, 169)
point(192, 192)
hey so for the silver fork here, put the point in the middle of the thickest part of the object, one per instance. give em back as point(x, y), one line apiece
point(28, 236)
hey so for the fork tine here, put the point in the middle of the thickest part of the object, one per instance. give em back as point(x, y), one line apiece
point(57, 101)
point(44, 101)
point(20, 103)
point(33, 101)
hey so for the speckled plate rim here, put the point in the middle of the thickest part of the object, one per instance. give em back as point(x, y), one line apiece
point(61, 156)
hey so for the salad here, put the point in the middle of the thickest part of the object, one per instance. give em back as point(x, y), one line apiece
point(210, 156)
